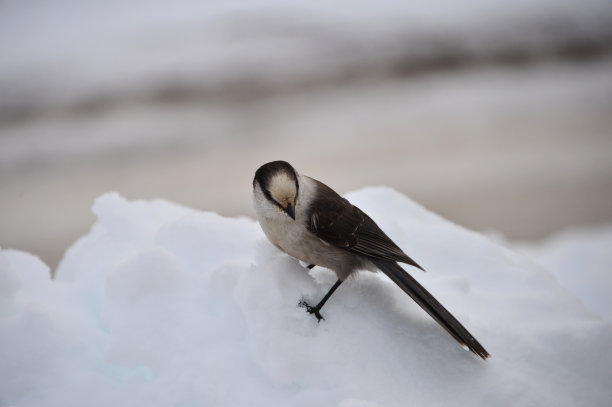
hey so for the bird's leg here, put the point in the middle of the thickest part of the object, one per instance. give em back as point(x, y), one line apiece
point(309, 267)
point(317, 309)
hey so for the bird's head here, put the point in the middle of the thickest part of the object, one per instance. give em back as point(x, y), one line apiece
point(278, 182)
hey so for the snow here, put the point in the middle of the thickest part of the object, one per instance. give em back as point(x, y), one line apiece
point(580, 260)
point(164, 305)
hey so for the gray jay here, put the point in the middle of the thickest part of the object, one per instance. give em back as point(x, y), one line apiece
point(312, 223)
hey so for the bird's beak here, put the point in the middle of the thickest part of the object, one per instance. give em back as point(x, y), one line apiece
point(290, 210)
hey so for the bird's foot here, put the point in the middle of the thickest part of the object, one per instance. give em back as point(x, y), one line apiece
point(311, 310)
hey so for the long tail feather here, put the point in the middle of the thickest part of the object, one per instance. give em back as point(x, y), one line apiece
point(422, 297)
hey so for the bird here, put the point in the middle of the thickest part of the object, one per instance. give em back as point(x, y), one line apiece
point(310, 222)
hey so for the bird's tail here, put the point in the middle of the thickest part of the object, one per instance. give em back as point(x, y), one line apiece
point(427, 301)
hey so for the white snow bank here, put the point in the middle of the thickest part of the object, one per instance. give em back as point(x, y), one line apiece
point(581, 260)
point(162, 305)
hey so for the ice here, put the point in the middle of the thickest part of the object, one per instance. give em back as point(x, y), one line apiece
point(164, 305)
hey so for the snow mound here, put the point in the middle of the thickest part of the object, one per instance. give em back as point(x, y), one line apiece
point(163, 305)
point(580, 260)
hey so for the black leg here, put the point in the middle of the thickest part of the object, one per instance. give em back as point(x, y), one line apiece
point(310, 266)
point(317, 310)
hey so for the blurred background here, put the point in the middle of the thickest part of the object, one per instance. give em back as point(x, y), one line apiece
point(496, 115)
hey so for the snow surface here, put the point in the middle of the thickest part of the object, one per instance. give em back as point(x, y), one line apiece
point(163, 305)
point(580, 260)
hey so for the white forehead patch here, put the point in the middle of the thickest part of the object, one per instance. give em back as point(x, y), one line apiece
point(282, 188)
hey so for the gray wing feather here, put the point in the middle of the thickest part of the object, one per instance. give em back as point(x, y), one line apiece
point(336, 221)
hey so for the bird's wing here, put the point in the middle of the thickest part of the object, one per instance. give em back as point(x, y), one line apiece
point(336, 221)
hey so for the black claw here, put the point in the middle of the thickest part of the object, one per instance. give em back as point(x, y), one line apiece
point(310, 266)
point(311, 310)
